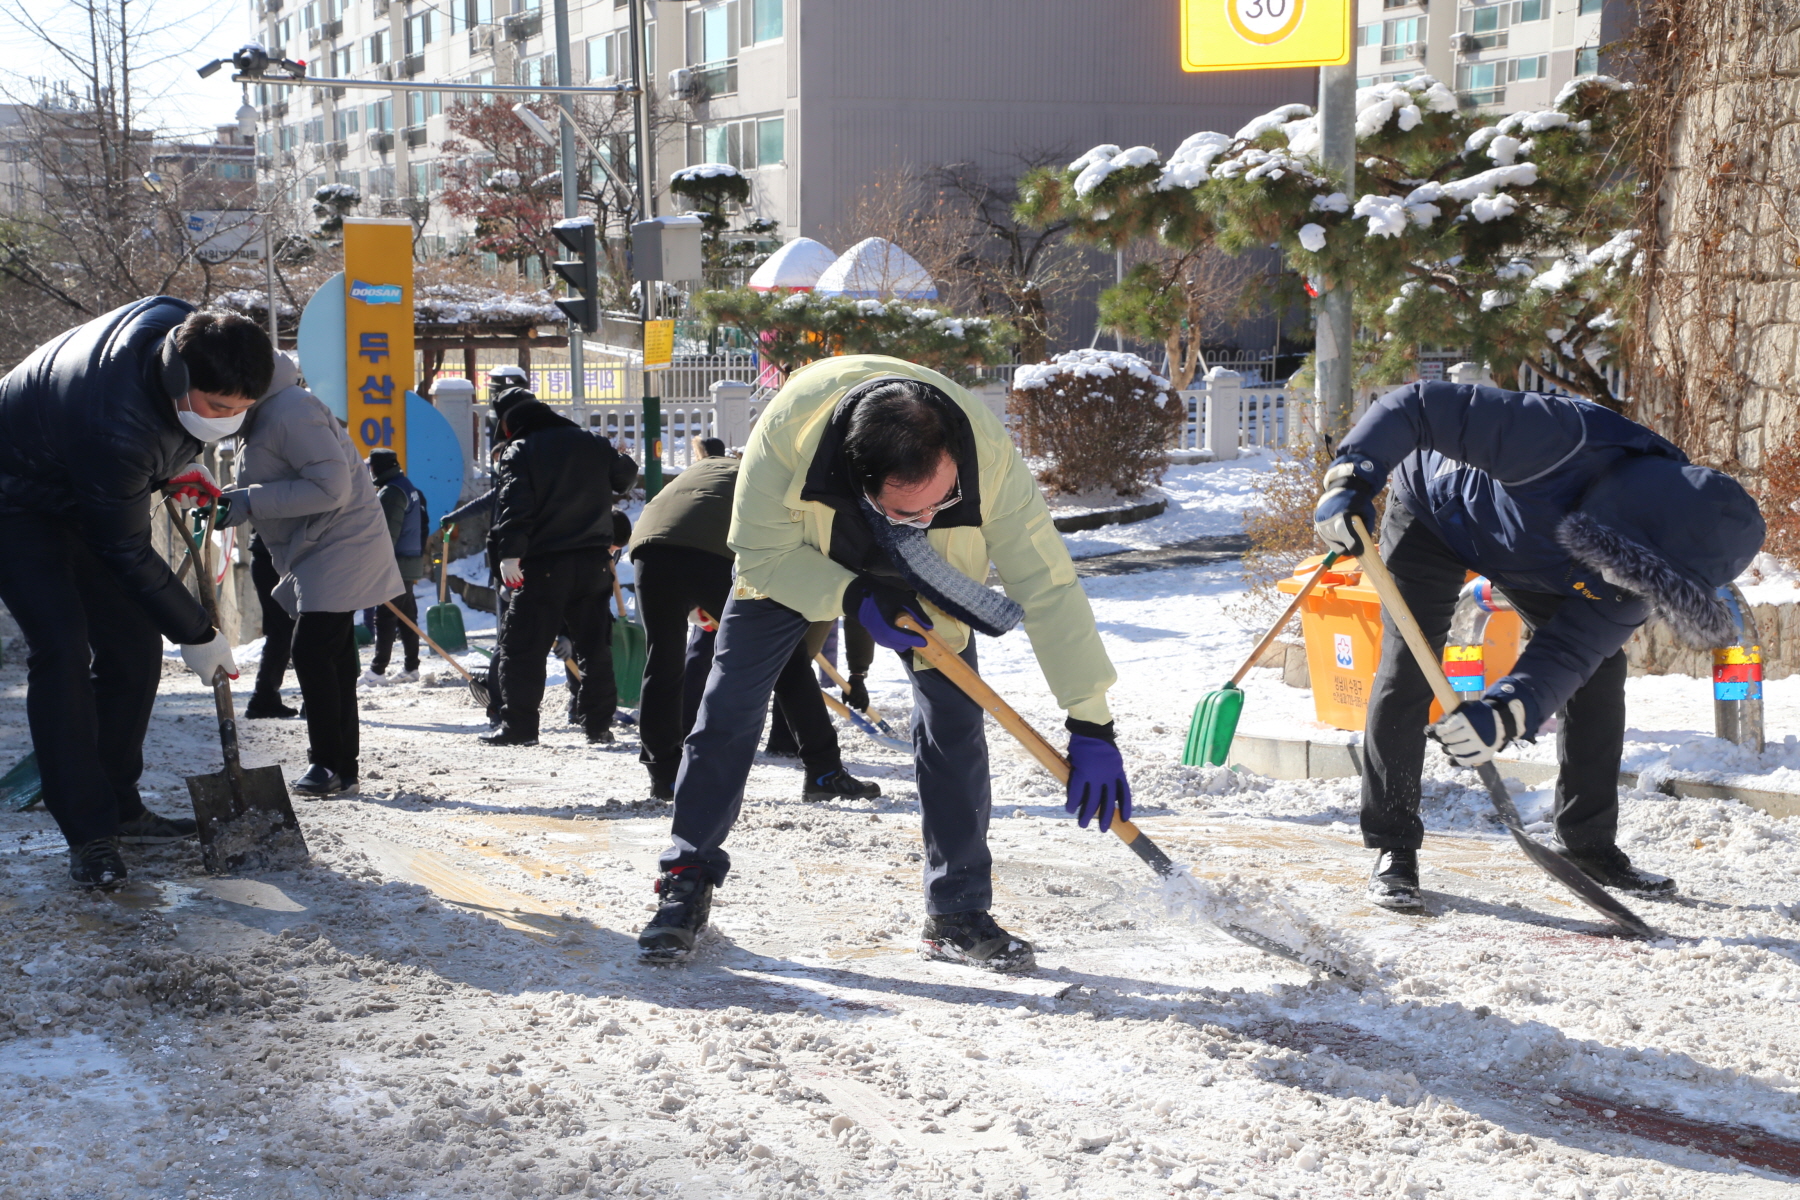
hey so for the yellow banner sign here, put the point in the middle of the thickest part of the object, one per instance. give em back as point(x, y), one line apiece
point(378, 331)
point(659, 343)
point(1252, 35)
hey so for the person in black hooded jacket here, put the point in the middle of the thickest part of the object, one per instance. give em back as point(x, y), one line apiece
point(552, 537)
point(92, 425)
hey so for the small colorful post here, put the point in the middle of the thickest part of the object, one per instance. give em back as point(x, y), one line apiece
point(1737, 678)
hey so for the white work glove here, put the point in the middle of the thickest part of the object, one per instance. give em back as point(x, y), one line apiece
point(511, 573)
point(1478, 729)
point(194, 486)
point(205, 658)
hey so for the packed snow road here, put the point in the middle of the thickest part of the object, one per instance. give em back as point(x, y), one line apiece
point(446, 1002)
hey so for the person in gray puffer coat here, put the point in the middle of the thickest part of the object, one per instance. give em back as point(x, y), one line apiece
point(303, 485)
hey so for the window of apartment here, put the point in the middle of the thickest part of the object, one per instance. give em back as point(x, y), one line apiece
point(309, 16)
point(315, 130)
point(536, 72)
point(1485, 83)
point(1590, 7)
point(418, 32)
point(380, 115)
point(600, 62)
point(353, 178)
point(771, 141)
point(343, 123)
point(288, 137)
point(1402, 38)
point(422, 105)
point(765, 20)
point(381, 181)
point(347, 61)
point(1587, 60)
point(712, 32)
point(423, 179)
point(234, 170)
point(376, 46)
point(1537, 67)
point(466, 14)
point(746, 144)
point(281, 34)
point(1530, 10)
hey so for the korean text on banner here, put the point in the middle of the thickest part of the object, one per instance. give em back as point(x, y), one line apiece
point(378, 331)
point(659, 343)
point(1252, 35)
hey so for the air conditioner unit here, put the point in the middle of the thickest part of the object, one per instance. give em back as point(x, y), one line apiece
point(482, 39)
point(1468, 43)
point(386, 71)
point(521, 26)
point(684, 84)
point(381, 143)
point(381, 8)
point(413, 65)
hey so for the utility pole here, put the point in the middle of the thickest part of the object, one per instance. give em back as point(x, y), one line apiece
point(652, 432)
point(571, 195)
point(1334, 365)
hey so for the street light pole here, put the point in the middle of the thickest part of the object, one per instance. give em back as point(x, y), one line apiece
point(1334, 366)
point(247, 116)
point(571, 195)
point(652, 439)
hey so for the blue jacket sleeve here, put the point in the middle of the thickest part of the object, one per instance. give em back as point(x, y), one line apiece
point(1512, 436)
point(1565, 652)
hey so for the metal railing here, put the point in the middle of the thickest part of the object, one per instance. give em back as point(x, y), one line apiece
point(1262, 415)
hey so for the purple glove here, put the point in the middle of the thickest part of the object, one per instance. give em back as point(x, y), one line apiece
point(1097, 781)
point(879, 606)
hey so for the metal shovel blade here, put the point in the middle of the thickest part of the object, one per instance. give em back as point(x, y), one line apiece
point(263, 834)
point(1564, 871)
point(23, 786)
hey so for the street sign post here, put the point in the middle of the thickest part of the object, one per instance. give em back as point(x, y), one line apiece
point(1252, 35)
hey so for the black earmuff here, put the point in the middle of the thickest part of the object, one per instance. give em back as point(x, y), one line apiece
point(174, 369)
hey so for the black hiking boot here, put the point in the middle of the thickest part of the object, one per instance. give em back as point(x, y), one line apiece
point(148, 829)
point(1610, 867)
point(262, 709)
point(320, 782)
point(601, 737)
point(839, 785)
point(1394, 883)
point(661, 791)
point(686, 903)
point(97, 864)
point(504, 736)
point(974, 940)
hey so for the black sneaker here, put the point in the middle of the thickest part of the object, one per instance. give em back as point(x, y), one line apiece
point(1394, 883)
point(148, 829)
point(839, 785)
point(686, 903)
point(508, 737)
point(320, 782)
point(600, 737)
point(97, 864)
point(1610, 867)
point(268, 710)
point(974, 940)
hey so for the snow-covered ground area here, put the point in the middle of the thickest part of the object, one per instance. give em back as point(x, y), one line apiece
point(1205, 499)
point(445, 1002)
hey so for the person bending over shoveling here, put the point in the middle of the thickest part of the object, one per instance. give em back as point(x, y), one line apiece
point(1589, 524)
point(876, 487)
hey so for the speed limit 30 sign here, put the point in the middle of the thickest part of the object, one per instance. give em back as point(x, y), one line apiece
point(1248, 35)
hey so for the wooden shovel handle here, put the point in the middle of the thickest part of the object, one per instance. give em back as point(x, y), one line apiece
point(1389, 591)
point(427, 637)
point(444, 564)
point(1286, 616)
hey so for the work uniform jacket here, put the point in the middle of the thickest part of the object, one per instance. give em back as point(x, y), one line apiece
point(88, 435)
point(693, 510)
point(800, 539)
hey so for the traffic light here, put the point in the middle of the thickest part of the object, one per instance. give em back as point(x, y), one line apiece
point(581, 272)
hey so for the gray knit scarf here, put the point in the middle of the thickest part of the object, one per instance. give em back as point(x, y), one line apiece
point(975, 604)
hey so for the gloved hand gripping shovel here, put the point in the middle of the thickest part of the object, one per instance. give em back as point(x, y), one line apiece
point(1216, 716)
point(935, 652)
point(1565, 872)
point(246, 818)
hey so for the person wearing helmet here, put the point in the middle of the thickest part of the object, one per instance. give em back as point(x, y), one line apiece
point(1590, 524)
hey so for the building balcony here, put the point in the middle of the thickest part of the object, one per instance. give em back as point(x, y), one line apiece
point(415, 136)
point(1403, 52)
point(381, 143)
point(716, 78)
point(523, 26)
point(335, 150)
point(331, 30)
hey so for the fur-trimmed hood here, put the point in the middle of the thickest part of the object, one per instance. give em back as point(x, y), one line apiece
point(1672, 533)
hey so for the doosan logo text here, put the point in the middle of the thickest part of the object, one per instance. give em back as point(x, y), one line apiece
point(376, 293)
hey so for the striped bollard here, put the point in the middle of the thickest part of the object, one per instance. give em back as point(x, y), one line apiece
point(1737, 678)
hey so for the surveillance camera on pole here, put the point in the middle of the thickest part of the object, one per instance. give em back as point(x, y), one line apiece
point(581, 272)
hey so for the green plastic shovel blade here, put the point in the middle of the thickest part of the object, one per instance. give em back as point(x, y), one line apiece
point(22, 787)
point(1214, 725)
point(445, 625)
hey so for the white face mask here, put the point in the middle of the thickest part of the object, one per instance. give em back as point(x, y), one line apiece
point(209, 429)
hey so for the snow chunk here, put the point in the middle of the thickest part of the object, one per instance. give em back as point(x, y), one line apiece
point(1489, 182)
point(1492, 208)
point(1191, 164)
point(1278, 119)
point(503, 180)
point(701, 171)
point(1504, 150)
point(1312, 237)
point(1573, 88)
point(1091, 364)
point(1386, 215)
point(1096, 171)
point(1337, 202)
point(1497, 298)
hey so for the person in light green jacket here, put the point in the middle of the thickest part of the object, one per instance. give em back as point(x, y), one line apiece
point(876, 487)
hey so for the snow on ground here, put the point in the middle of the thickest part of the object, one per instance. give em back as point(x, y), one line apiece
point(445, 1002)
point(1204, 499)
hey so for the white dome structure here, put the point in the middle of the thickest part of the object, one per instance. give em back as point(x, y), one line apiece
point(795, 267)
point(876, 269)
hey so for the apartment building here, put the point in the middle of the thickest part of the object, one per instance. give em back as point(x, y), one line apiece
point(1499, 55)
point(812, 99)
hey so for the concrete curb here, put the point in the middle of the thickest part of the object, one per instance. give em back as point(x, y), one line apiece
point(1296, 758)
point(1110, 516)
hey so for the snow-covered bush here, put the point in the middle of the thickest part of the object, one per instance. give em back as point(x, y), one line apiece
point(711, 184)
point(1102, 420)
point(1509, 236)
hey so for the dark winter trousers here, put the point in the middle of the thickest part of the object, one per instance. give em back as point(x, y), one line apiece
point(756, 641)
point(387, 625)
point(566, 591)
point(327, 664)
point(92, 667)
point(1590, 734)
point(278, 627)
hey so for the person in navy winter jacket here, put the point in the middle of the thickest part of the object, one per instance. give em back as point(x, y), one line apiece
point(1590, 524)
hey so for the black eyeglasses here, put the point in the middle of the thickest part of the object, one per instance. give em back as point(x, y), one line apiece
point(922, 518)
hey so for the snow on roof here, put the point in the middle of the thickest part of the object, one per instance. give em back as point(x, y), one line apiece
point(574, 222)
point(703, 171)
point(460, 304)
point(876, 268)
point(796, 265)
point(1096, 364)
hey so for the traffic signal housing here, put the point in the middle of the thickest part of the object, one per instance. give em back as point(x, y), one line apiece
point(581, 273)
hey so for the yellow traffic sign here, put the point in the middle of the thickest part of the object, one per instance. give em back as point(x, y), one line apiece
point(659, 343)
point(1251, 35)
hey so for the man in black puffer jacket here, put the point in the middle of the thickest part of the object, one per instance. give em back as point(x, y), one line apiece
point(552, 536)
point(92, 426)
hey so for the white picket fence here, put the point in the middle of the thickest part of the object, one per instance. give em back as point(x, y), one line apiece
point(1224, 414)
point(727, 414)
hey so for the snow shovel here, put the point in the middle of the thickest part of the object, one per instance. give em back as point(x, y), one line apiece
point(444, 619)
point(476, 690)
point(630, 647)
point(1565, 872)
point(874, 718)
point(861, 722)
point(1216, 716)
point(935, 652)
point(22, 787)
point(246, 819)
